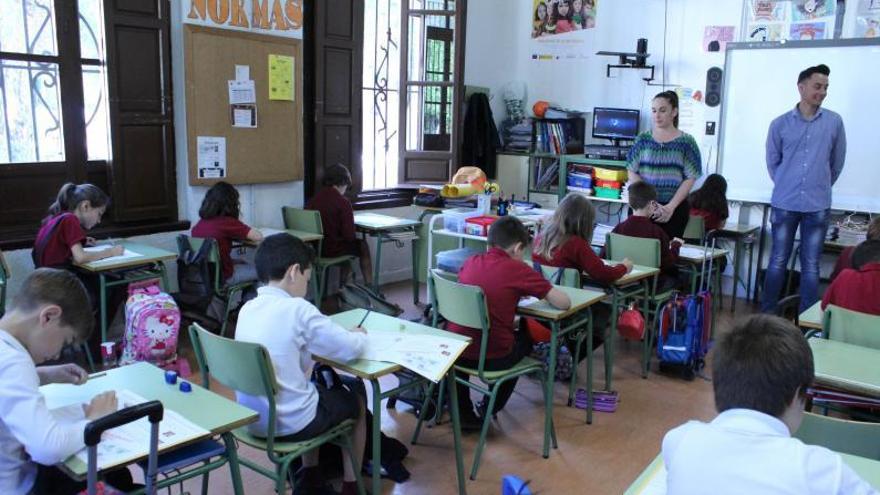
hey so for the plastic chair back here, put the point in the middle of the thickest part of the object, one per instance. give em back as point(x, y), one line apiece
point(640, 250)
point(843, 436)
point(241, 366)
point(851, 327)
point(299, 219)
point(695, 230)
point(568, 277)
point(460, 303)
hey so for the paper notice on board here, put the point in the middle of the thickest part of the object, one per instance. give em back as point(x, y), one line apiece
point(242, 72)
point(281, 81)
point(243, 115)
point(242, 92)
point(211, 157)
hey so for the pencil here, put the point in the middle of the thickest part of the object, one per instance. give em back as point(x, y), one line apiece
point(364, 318)
point(98, 375)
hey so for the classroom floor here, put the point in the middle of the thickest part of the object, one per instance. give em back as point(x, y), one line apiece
point(602, 458)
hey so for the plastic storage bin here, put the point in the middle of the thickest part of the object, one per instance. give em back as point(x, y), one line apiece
point(451, 261)
point(609, 184)
point(479, 225)
point(580, 180)
point(454, 219)
point(606, 192)
point(616, 174)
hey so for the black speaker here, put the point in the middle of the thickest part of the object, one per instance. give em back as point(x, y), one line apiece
point(713, 86)
point(642, 52)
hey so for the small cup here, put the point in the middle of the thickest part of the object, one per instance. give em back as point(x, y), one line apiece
point(170, 377)
point(108, 354)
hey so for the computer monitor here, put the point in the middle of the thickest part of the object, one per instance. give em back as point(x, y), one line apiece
point(616, 124)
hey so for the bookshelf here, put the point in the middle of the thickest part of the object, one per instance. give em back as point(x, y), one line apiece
point(551, 140)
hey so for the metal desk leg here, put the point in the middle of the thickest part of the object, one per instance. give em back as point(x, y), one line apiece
point(376, 463)
point(415, 268)
point(548, 393)
point(232, 457)
point(589, 368)
point(749, 271)
point(737, 261)
point(608, 343)
point(102, 289)
point(377, 262)
point(456, 430)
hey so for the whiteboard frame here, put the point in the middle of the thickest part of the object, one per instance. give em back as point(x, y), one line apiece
point(771, 45)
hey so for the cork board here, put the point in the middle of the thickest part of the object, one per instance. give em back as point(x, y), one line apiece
point(271, 152)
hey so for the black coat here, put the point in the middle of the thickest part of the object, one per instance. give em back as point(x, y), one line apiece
point(481, 141)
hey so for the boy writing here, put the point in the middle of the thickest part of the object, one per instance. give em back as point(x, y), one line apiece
point(292, 329)
point(505, 279)
point(760, 374)
point(858, 288)
point(50, 310)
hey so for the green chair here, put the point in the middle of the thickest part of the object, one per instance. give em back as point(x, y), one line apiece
point(247, 368)
point(846, 437)
point(695, 230)
point(466, 305)
point(645, 252)
point(851, 327)
point(310, 221)
point(224, 292)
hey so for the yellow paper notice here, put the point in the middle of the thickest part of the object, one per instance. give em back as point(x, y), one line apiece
point(281, 85)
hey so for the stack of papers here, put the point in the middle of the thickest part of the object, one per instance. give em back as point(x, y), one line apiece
point(428, 355)
point(127, 254)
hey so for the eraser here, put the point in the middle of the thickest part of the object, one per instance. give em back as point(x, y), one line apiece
point(185, 387)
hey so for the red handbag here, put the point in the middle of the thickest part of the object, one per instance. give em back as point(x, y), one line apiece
point(631, 323)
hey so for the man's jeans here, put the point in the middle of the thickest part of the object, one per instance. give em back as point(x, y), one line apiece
point(813, 228)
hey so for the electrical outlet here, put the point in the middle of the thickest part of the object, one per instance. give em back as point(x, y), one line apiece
point(710, 128)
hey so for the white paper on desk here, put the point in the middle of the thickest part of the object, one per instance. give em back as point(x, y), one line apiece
point(527, 301)
point(266, 231)
point(127, 254)
point(242, 92)
point(428, 355)
point(377, 220)
point(128, 442)
point(692, 252)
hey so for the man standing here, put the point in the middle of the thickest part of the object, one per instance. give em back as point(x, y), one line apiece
point(806, 148)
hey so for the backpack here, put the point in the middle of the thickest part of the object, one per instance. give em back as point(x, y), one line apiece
point(356, 296)
point(152, 323)
point(40, 245)
point(195, 277)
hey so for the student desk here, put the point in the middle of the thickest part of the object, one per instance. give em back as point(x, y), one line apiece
point(299, 234)
point(847, 367)
point(743, 235)
point(563, 322)
point(811, 317)
point(695, 256)
point(206, 409)
point(373, 370)
point(390, 229)
point(652, 481)
point(128, 270)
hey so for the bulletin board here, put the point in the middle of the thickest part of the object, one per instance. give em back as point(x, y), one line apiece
point(271, 152)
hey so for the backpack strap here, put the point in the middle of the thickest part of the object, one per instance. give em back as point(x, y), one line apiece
point(40, 246)
point(556, 278)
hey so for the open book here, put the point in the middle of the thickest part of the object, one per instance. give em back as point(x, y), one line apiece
point(428, 355)
point(127, 443)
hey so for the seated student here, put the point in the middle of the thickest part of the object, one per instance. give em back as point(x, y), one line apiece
point(858, 288)
point(643, 200)
point(50, 310)
point(565, 242)
point(292, 329)
point(760, 373)
point(505, 279)
point(710, 202)
point(845, 258)
point(219, 221)
point(337, 220)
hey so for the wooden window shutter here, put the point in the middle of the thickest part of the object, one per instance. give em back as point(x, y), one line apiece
point(142, 168)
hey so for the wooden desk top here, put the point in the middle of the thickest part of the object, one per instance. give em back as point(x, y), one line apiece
point(371, 370)
point(146, 254)
point(846, 366)
point(378, 223)
point(206, 409)
point(739, 228)
point(812, 317)
point(580, 299)
point(638, 273)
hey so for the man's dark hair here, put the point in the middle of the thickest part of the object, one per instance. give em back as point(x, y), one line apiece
point(816, 69)
point(278, 252)
point(336, 175)
point(760, 365)
point(507, 231)
point(641, 194)
point(866, 252)
point(63, 289)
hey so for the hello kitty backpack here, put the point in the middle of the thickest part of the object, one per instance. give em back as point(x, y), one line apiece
point(152, 323)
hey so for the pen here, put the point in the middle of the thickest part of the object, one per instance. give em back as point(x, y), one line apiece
point(97, 375)
point(364, 318)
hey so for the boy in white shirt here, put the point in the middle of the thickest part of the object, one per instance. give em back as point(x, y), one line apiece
point(292, 329)
point(51, 309)
point(760, 373)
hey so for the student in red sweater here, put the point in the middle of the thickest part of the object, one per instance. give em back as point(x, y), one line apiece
point(565, 243)
point(710, 202)
point(505, 279)
point(643, 201)
point(845, 258)
point(858, 288)
point(337, 220)
point(219, 221)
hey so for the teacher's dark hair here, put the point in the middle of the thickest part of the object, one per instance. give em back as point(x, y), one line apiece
point(672, 98)
point(816, 69)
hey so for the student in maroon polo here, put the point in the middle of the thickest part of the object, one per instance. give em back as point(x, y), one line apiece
point(845, 258)
point(337, 221)
point(505, 279)
point(858, 288)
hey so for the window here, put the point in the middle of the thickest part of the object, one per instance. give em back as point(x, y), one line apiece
point(58, 113)
point(410, 138)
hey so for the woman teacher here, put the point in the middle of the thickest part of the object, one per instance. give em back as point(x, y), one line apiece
point(669, 160)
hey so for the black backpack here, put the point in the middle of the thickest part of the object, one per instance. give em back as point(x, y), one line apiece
point(195, 280)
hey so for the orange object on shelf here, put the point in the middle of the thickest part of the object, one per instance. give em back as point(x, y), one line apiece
point(540, 108)
point(610, 184)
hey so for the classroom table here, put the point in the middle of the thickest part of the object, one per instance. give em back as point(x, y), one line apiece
point(696, 259)
point(390, 229)
point(812, 317)
point(847, 367)
point(206, 409)
point(741, 233)
point(563, 322)
point(372, 371)
point(652, 481)
point(299, 234)
point(129, 270)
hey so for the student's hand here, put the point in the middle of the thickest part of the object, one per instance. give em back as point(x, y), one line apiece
point(115, 251)
point(628, 264)
point(63, 373)
point(90, 241)
point(359, 330)
point(677, 240)
point(662, 213)
point(101, 405)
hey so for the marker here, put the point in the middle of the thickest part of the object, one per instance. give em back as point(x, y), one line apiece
point(97, 375)
point(364, 318)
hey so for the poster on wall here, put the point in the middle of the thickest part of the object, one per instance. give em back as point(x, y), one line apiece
point(716, 38)
point(868, 19)
point(275, 17)
point(778, 20)
point(562, 29)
